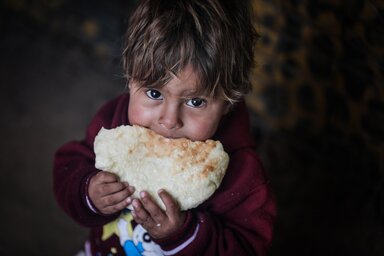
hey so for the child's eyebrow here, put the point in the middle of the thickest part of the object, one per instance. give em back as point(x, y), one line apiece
point(194, 94)
point(191, 93)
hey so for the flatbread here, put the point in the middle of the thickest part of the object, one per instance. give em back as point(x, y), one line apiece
point(190, 171)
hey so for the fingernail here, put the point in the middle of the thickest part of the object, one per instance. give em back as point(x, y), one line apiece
point(129, 200)
point(142, 194)
point(135, 203)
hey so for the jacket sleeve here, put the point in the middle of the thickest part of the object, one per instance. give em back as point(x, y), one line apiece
point(73, 167)
point(238, 219)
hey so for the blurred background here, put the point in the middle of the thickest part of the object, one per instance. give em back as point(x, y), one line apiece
point(317, 113)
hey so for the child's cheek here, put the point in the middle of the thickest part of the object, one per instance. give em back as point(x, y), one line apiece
point(201, 130)
point(139, 116)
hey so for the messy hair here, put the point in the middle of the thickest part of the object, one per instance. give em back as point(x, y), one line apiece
point(215, 37)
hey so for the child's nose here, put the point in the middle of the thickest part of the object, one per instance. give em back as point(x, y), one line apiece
point(170, 118)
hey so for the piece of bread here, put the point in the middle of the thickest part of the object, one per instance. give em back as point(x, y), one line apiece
point(189, 170)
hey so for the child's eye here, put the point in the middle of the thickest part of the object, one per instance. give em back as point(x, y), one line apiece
point(154, 94)
point(196, 102)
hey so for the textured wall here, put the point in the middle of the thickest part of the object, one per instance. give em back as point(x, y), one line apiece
point(318, 112)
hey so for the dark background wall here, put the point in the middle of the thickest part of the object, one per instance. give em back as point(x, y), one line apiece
point(317, 111)
point(318, 107)
point(59, 61)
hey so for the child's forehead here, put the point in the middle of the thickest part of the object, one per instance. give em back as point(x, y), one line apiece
point(189, 80)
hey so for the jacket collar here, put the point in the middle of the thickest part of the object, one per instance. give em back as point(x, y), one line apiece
point(234, 130)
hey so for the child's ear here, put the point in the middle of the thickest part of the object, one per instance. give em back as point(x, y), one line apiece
point(227, 107)
point(130, 85)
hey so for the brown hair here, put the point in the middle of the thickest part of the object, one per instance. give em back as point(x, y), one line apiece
point(215, 37)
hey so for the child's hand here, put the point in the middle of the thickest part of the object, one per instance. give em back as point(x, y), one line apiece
point(157, 222)
point(108, 194)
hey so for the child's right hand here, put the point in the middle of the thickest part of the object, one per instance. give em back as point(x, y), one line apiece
point(108, 194)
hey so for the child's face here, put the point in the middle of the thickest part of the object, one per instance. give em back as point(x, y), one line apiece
point(176, 110)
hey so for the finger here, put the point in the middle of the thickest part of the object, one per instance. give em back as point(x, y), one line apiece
point(171, 206)
point(140, 214)
point(116, 198)
point(106, 177)
point(115, 207)
point(111, 188)
point(156, 213)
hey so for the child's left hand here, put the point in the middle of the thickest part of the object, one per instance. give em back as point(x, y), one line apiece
point(157, 222)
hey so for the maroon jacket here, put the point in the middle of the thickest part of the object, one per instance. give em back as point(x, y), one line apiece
point(236, 220)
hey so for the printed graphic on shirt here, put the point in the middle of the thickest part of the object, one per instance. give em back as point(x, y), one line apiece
point(133, 238)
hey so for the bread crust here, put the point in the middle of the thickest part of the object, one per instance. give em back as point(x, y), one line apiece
point(190, 171)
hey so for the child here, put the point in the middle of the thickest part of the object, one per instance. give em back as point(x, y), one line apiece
point(187, 64)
